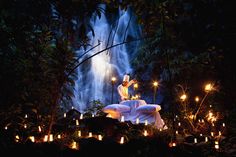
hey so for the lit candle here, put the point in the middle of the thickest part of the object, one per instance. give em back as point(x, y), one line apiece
point(135, 86)
point(137, 120)
point(197, 99)
point(5, 128)
point(109, 115)
point(74, 145)
point(64, 115)
point(160, 129)
point(100, 137)
point(79, 133)
point(146, 122)
point(212, 134)
point(92, 115)
point(77, 122)
point(195, 140)
point(26, 116)
point(223, 124)
point(219, 133)
point(206, 139)
point(122, 140)
point(39, 128)
point(32, 138)
point(59, 136)
point(81, 116)
point(213, 124)
point(17, 138)
point(122, 119)
point(90, 134)
point(217, 145)
point(113, 79)
point(145, 133)
point(183, 97)
point(179, 124)
point(25, 126)
point(202, 120)
point(51, 137)
point(200, 134)
point(176, 132)
point(45, 138)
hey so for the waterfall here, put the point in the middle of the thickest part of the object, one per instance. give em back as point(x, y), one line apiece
point(94, 76)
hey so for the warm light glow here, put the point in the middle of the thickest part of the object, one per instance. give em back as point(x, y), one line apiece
point(26, 116)
point(77, 122)
point(208, 87)
point(195, 140)
point(79, 133)
point(200, 134)
point(172, 144)
point(145, 133)
point(90, 134)
point(219, 133)
point(122, 119)
point(160, 129)
point(32, 138)
point(183, 97)
point(191, 116)
point(113, 79)
point(74, 145)
point(5, 128)
point(197, 99)
point(135, 86)
point(146, 122)
point(223, 124)
point(122, 140)
point(45, 138)
point(81, 116)
point(179, 124)
point(217, 145)
point(25, 126)
point(59, 136)
point(212, 134)
point(155, 84)
point(17, 138)
point(39, 128)
point(109, 115)
point(211, 117)
point(93, 115)
point(51, 137)
point(64, 115)
point(206, 139)
point(176, 132)
point(100, 137)
point(137, 120)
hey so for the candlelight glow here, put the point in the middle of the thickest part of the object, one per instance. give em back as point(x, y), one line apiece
point(17, 138)
point(32, 138)
point(74, 145)
point(211, 117)
point(81, 116)
point(64, 115)
point(77, 122)
point(208, 87)
point(59, 136)
point(155, 83)
point(197, 99)
point(179, 124)
point(146, 122)
point(122, 140)
point(25, 126)
point(223, 124)
point(145, 133)
point(135, 86)
point(176, 132)
point(39, 128)
point(45, 138)
point(217, 145)
point(113, 79)
point(26, 116)
point(206, 139)
point(195, 140)
point(122, 119)
point(212, 134)
point(5, 128)
point(183, 97)
point(51, 137)
point(90, 134)
point(137, 120)
point(79, 133)
point(100, 137)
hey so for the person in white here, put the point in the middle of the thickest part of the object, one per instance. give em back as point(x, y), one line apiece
point(123, 88)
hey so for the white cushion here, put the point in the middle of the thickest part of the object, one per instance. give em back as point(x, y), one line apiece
point(116, 108)
point(149, 108)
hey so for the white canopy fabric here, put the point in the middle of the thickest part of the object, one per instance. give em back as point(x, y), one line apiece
point(140, 110)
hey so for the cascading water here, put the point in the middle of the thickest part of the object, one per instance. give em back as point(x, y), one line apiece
point(94, 76)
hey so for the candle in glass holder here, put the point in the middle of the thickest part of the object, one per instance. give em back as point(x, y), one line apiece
point(122, 119)
point(100, 137)
point(122, 140)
